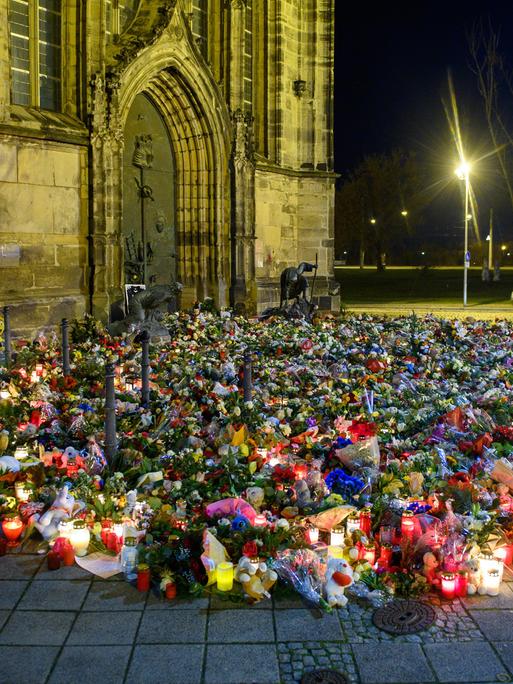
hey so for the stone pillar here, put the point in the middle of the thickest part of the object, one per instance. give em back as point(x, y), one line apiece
point(5, 76)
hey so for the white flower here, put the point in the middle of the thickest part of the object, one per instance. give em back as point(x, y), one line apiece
point(236, 411)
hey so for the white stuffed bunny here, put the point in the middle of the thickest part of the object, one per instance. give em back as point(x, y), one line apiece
point(64, 506)
point(339, 576)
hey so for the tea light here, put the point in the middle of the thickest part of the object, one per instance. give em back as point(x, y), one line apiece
point(80, 537)
point(370, 553)
point(12, 529)
point(448, 585)
point(492, 582)
point(337, 536)
point(407, 525)
point(225, 576)
point(260, 520)
point(22, 492)
point(312, 535)
point(353, 522)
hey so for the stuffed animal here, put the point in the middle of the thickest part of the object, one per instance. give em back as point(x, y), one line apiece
point(255, 497)
point(303, 497)
point(474, 575)
point(231, 506)
point(430, 566)
point(64, 506)
point(339, 576)
point(256, 579)
point(9, 464)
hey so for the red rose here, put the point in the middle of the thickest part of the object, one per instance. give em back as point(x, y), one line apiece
point(250, 549)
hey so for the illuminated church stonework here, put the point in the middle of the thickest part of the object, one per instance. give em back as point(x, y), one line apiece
point(153, 140)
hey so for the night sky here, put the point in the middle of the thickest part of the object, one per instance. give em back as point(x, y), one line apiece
point(390, 77)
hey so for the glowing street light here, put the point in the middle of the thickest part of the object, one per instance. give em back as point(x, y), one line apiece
point(463, 172)
point(404, 212)
point(503, 248)
point(373, 221)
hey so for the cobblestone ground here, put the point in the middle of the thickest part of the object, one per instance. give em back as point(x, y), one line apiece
point(66, 627)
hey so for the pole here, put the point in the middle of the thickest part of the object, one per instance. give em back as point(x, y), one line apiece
point(7, 336)
point(66, 370)
point(490, 246)
point(111, 442)
point(143, 227)
point(465, 262)
point(145, 368)
point(247, 379)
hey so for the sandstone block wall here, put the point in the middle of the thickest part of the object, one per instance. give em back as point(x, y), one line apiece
point(43, 231)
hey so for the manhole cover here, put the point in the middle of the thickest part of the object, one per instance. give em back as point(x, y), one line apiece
point(323, 677)
point(404, 617)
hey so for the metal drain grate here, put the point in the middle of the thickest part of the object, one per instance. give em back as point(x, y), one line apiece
point(323, 677)
point(404, 617)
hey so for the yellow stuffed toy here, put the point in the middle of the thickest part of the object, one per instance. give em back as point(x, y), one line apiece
point(256, 579)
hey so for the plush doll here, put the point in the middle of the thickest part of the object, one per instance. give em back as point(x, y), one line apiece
point(231, 506)
point(255, 497)
point(430, 566)
point(64, 506)
point(339, 576)
point(474, 575)
point(256, 580)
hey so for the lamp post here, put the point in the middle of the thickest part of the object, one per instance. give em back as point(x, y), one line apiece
point(463, 172)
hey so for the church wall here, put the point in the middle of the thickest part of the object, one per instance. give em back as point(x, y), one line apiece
point(43, 231)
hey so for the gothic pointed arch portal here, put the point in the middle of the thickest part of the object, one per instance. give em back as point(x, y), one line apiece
point(191, 190)
point(148, 224)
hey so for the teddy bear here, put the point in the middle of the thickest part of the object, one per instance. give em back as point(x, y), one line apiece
point(430, 566)
point(339, 576)
point(256, 579)
point(474, 575)
point(64, 506)
point(255, 497)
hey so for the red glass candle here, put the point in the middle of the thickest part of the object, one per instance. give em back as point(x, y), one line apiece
point(369, 553)
point(448, 585)
point(504, 553)
point(170, 590)
point(407, 526)
point(68, 555)
point(12, 529)
point(143, 577)
point(53, 560)
point(300, 471)
point(106, 528)
point(385, 556)
point(112, 540)
point(365, 522)
point(461, 583)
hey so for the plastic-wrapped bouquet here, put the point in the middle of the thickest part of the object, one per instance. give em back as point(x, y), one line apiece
point(304, 571)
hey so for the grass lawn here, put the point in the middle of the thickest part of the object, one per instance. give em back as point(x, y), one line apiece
point(413, 287)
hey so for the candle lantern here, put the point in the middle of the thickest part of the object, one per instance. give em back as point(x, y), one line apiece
point(80, 537)
point(365, 521)
point(260, 520)
point(65, 528)
point(129, 557)
point(301, 471)
point(407, 526)
point(369, 553)
point(461, 583)
point(53, 560)
point(353, 522)
point(106, 529)
point(448, 585)
point(385, 556)
point(22, 492)
point(143, 577)
point(335, 552)
point(12, 529)
point(312, 535)
point(68, 554)
point(487, 562)
point(337, 536)
point(21, 453)
point(504, 553)
point(492, 582)
point(225, 576)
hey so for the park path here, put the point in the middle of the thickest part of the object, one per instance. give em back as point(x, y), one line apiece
point(67, 627)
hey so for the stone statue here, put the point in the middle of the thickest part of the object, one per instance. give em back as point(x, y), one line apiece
point(144, 312)
point(143, 152)
point(293, 282)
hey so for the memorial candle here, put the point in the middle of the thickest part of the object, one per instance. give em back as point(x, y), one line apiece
point(12, 529)
point(492, 582)
point(337, 536)
point(80, 537)
point(365, 521)
point(407, 526)
point(448, 585)
point(225, 576)
point(260, 520)
point(312, 535)
point(353, 522)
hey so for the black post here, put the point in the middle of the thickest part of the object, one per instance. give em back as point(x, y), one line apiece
point(246, 379)
point(66, 370)
point(7, 337)
point(111, 442)
point(145, 368)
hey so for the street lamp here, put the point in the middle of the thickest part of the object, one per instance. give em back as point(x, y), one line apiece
point(373, 220)
point(463, 172)
point(404, 212)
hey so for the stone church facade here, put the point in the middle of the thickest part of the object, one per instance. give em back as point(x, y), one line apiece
point(152, 140)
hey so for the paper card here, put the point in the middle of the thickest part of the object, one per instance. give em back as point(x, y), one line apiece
point(100, 564)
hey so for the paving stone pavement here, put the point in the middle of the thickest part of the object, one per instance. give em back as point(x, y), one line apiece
point(67, 627)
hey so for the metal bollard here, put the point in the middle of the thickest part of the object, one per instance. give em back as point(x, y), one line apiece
point(111, 442)
point(7, 337)
point(145, 368)
point(247, 379)
point(66, 368)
